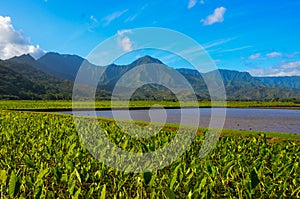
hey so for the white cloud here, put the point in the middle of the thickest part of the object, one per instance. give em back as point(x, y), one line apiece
point(192, 3)
point(283, 69)
point(291, 65)
point(14, 43)
point(216, 17)
point(274, 54)
point(124, 41)
point(111, 17)
point(255, 56)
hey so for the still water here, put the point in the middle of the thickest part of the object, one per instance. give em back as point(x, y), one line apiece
point(267, 120)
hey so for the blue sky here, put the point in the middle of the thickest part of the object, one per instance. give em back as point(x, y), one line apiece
point(261, 37)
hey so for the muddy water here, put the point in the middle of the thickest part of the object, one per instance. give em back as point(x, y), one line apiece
point(267, 120)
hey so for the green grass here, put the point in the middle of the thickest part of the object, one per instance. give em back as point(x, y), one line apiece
point(41, 104)
point(41, 156)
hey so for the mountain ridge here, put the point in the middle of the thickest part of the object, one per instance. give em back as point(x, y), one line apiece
point(239, 85)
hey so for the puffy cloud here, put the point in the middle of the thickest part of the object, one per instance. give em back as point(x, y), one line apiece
point(124, 41)
point(216, 17)
point(111, 17)
point(14, 43)
point(283, 69)
point(274, 54)
point(255, 56)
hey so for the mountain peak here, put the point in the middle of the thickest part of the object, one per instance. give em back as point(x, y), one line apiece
point(56, 55)
point(146, 60)
point(23, 58)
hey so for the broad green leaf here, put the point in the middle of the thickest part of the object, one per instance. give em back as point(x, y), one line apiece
point(77, 175)
point(28, 162)
point(169, 192)
point(38, 192)
point(203, 182)
point(254, 179)
point(13, 185)
point(3, 176)
point(77, 193)
point(103, 192)
point(71, 186)
point(147, 177)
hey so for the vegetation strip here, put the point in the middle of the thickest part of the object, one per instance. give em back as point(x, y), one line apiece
point(42, 156)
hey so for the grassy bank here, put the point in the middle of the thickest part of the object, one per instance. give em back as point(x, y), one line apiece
point(41, 156)
point(40, 104)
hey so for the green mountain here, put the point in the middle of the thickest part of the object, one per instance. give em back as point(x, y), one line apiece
point(243, 86)
point(23, 81)
point(234, 78)
point(51, 77)
point(63, 66)
point(277, 82)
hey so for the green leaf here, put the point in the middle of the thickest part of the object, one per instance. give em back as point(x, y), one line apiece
point(203, 182)
point(40, 177)
point(3, 176)
point(173, 180)
point(169, 192)
point(103, 192)
point(71, 186)
point(227, 169)
point(64, 178)
point(77, 194)
point(77, 175)
point(28, 162)
point(37, 192)
point(13, 185)
point(147, 177)
point(254, 179)
point(211, 169)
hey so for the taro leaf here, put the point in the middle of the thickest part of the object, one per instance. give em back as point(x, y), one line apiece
point(203, 182)
point(173, 180)
point(13, 185)
point(57, 175)
point(71, 186)
point(90, 193)
point(40, 177)
point(144, 148)
point(38, 192)
point(28, 162)
point(147, 177)
point(211, 169)
point(28, 182)
point(227, 169)
point(77, 175)
point(254, 179)
point(103, 192)
point(3, 176)
point(169, 192)
point(77, 194)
